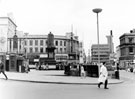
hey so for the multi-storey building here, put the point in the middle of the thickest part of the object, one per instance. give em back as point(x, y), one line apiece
point(104, 51)
point(127, 48)
point(7, 29)
point(34, 47)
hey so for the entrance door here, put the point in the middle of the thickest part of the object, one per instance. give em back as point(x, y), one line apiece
point(12, 62)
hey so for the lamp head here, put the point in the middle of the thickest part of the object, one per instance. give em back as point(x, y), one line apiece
point(97, 10)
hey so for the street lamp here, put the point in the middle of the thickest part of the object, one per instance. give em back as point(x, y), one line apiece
point(97, 10)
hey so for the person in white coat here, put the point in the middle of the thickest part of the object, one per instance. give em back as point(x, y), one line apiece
point(103, 77)
point(82, 72)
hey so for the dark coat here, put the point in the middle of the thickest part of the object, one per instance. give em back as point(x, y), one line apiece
point(1, 67)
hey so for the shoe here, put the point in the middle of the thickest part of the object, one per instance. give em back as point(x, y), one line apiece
point(106, 88)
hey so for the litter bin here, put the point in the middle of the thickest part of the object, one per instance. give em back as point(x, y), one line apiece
point(117, 74)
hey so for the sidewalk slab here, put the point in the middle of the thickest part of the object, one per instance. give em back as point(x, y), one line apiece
point(56, 77)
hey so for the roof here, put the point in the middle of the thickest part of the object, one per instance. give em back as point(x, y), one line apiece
point(8, 19)
point(127, 34)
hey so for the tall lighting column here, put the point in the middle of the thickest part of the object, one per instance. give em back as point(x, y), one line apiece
point(97, 10)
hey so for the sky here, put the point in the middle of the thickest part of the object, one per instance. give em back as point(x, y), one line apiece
point(58, 17)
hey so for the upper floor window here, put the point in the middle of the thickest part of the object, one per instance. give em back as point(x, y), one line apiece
point(60, 43)
point(41, 42)
point(130, 40)
point(25, 50)
point(31, 42)
point(56, 43)
point(130, 49)
point(36, 49)
point(64, 43)
point(31, 50)
point(61, 50)
point(36, 42)
point(25, 42)
point(41, 50)
point(65, 50)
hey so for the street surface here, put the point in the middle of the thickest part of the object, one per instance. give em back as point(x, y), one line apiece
point(26, 90)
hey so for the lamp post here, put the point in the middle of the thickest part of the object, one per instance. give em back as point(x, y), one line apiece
point(97, 10)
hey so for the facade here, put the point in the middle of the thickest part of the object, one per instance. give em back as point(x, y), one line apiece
point(34, 47)
point(127, 48)
point(118, 53)
point(82, 58)
point(104, 51)
point(7, 29)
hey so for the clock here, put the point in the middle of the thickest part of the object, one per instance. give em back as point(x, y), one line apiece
point(2, 40)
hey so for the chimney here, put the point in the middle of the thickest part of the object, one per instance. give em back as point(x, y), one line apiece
point(111, 33)
point(131, 31)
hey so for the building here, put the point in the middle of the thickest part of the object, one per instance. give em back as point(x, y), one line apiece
point(82, 58)
point(33, 47)
point(104, 50)
point(118, 53)
point(127, 48)
point(7, 29)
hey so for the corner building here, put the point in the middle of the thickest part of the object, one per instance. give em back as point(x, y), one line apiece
point(127, 48)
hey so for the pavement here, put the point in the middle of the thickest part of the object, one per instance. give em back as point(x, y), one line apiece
point(54, 77)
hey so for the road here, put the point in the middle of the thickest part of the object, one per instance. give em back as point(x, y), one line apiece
point(27, 90)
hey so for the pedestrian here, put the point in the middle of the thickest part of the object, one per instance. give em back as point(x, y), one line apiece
point(82, 72)
point(103, 77)
point(2, 69)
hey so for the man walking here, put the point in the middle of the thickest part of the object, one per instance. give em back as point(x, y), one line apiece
point(2, 69)
point(103, 76)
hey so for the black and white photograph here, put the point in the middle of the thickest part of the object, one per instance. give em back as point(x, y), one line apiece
point(67, 49)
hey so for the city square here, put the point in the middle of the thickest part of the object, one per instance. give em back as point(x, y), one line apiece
point(61, 49)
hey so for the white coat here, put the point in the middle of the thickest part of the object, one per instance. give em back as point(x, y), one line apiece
point(103, 74)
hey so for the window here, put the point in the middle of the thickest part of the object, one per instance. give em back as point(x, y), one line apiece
point(61, 50)
point(64, 43)
point(31, 50)
point(130, 40)
point(65, 50)
point(25, 42)
point(60, 43)
point(36, 49)
point(56, 43)
point(31, 42)
point(25, 50)
point(41, 42)
point(41, 50)
point(130, 49)
point(36, 42)
point(10, 44)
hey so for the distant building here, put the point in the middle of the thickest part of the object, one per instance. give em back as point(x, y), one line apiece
point(34, 47)
point(127, 48)
point(104, 50)
point(82, 57)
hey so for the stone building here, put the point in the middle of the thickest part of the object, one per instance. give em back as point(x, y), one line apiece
point(34, 47)
point(127, 48)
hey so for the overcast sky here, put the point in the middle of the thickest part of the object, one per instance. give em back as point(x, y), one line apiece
point(57, 16)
